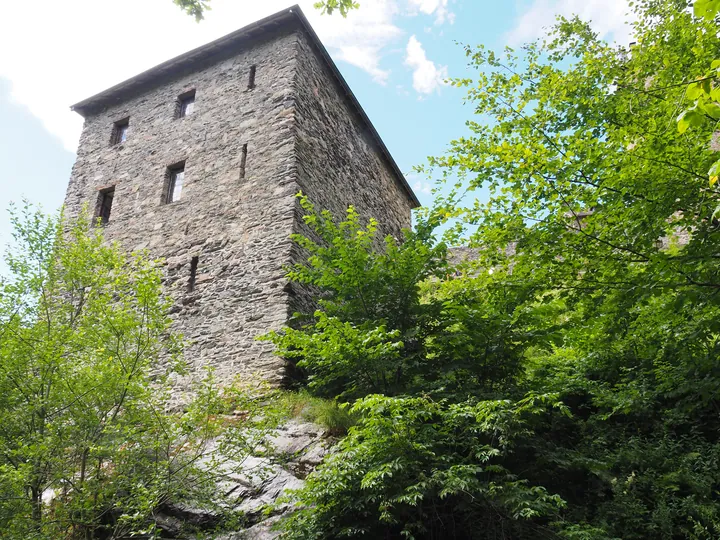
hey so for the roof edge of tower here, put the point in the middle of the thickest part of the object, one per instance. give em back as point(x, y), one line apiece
point(254, 30)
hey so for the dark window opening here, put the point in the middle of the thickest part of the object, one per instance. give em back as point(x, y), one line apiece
point(104, 205)
point(251, 78)
point(186, 104)
point(243, 160)
point(174, 178)
point(193, 273)
point(120, 131)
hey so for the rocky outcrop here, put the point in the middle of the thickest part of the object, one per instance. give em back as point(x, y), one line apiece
point(254, 486)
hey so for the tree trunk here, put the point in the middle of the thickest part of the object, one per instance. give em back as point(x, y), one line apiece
point(36, 501)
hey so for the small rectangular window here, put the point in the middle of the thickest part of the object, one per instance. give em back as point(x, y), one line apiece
point(120, 131)
point(251, 78)
point(186, 104)
point(243, 160)
point(174, 183)
point(193, 273)
point(104, 204)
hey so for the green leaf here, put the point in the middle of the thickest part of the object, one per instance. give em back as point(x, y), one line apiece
point(706, 9)
point(712, 109)
point(689, 117)
point(714, 173)
point(694, 91)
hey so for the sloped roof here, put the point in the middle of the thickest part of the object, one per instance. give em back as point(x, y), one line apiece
point(198, 57)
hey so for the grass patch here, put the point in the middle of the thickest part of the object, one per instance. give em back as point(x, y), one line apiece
point(335, 417)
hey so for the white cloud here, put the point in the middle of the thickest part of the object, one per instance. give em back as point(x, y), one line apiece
point(422, 187)
point(427, 77)
point(57, 53)
point(360, 38)
point(608, 18)
point(366, 58)
point(437, 7)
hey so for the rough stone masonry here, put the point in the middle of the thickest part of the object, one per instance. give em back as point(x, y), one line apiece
point(199, 159)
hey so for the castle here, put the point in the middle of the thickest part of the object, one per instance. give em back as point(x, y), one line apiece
point(199, 160)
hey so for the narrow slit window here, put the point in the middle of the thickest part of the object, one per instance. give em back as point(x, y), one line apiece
point(186, 104)
point(251, 77)
point(193, 273)
point(120, 131)
point(175, 177)
point(243, 160)
point(104, 205)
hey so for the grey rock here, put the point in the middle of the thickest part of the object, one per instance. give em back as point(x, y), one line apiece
point(259, 531)
point(173, 517)
point(254, 485)
point(295, 437)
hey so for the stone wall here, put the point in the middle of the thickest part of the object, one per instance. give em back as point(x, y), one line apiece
point(238, 227)
point(339, 162)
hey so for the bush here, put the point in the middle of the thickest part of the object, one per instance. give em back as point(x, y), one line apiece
point(88, 447)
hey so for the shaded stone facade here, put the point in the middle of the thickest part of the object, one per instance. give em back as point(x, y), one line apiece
point(246, 150)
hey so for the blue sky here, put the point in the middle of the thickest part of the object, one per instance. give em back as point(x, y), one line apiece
point(394, 54)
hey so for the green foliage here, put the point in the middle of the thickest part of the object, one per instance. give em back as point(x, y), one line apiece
point(335, 417)
point(342, 359)
point(198, 8)
point(329, 6)
point(443, 354)
point(566, 384)
point(581, 125)
point(707, 9)
point(364, 338)
point(705, 95)
point(88, 447)
point(415, 467)
point(376, 332)
point(194, 8)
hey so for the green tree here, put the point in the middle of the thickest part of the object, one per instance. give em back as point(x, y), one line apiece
point(566, 384)
point(609, 207)
point(88, 447)
point(610, 211)
point(430, 363)
point(383, 314)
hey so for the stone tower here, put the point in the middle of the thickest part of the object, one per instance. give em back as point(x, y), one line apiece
point(199, 159)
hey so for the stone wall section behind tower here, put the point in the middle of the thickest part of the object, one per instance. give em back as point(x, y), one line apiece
point(237, 227)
